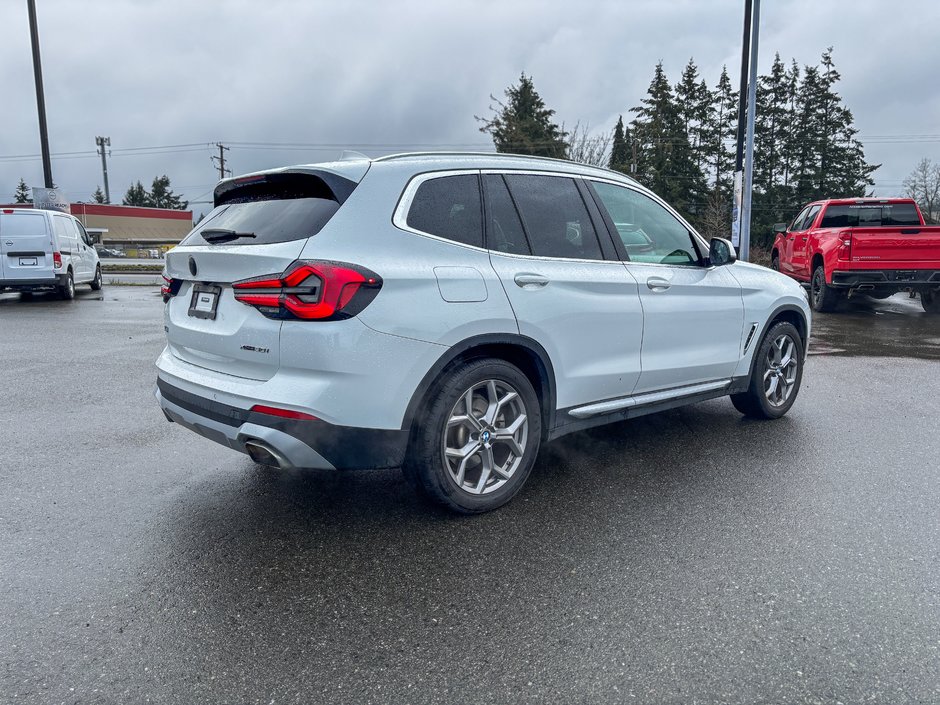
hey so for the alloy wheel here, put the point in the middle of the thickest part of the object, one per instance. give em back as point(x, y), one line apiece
point(485, 438)
point(782, 365)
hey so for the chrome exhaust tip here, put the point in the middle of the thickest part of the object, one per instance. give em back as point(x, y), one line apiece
point(264, 454)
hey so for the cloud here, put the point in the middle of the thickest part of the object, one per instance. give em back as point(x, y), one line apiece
point(389, 76)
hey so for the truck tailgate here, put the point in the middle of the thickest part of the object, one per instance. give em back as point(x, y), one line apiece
point(914, 247)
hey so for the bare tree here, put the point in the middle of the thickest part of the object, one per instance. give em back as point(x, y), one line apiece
point(923, 185)
point(585, 148)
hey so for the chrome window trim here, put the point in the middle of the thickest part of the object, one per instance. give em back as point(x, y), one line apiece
point(400, 215)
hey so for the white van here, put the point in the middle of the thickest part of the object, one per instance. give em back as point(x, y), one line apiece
point(42, 249)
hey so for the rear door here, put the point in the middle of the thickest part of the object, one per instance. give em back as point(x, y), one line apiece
point(26, 246)
point(693, 315)
point(580, 305)
point(259, 228)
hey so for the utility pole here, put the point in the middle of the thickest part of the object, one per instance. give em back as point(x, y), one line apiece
point(103, 142)
point(749, 161)
point(221, 160)
point(40, 97)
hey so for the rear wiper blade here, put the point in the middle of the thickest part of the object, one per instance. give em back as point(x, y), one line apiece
point(214, 235)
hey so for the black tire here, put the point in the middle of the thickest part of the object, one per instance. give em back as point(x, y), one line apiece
point(822, 297)
point(67, 290)
point(930, 300)
point(755, 402)
point(96, 282)
point(430, 471)
point(775, 262)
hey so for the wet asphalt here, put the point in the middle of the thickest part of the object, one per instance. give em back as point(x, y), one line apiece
point(687, 557)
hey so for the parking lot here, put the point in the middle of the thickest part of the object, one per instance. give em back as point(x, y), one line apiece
point(690, 556)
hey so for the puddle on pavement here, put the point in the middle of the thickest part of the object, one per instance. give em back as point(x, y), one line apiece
point(893, 327)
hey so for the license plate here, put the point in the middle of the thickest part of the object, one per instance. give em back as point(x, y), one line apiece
point(27, 261)
point(205, 301)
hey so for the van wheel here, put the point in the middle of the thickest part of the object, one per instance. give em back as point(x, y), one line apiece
point(930, 300)
point(96, 282)
point(776, 376)
point(475, 445)
point(67, 290)
point(822, 296)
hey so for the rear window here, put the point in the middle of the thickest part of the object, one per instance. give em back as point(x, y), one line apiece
point(266, 210)
point(870, 215)
point(13, 225)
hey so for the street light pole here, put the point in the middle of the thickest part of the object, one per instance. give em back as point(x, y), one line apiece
point(749, 156)
point(40, 98)
point(103, 142)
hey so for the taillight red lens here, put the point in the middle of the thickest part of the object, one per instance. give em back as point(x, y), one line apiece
point(171, 287)
point(311, 291)
point(57, 260)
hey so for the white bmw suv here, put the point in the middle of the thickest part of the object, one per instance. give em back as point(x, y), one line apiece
point(449, 313)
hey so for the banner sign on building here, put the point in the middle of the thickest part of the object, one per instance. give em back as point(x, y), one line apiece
point(50, 199)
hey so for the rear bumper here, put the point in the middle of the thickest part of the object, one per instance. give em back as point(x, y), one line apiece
point(887, 278)
point(34, 284)
point(298, 443)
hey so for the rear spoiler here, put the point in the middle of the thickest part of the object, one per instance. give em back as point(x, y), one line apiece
point(284, 184)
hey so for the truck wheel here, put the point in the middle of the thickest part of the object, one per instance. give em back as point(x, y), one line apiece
point(775, 262)
point(776, 374)
point(930, 300)
point(822, 296)
point(67, 290)
point(475, 445)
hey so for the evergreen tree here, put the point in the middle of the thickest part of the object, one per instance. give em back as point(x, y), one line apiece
point(620, 148)
point(665, 162)
point(719, 134)
point(524, 125)
point(137, 196)
point(23, 193)
point(98, 196)
point(162, 196)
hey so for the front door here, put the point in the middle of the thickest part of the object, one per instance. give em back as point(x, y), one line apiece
point(693, 315)
point(800, 242)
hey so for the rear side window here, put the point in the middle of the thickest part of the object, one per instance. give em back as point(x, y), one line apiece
point(504, 232)
point(555, 217)
point(808, 220)
point(266, 210)
point(449, 207)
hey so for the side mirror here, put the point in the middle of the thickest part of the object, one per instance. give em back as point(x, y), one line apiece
point(780, 227)
point(721, 252)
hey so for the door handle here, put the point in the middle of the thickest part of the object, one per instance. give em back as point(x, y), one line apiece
point(792, 237)
point(803, 238)
point(658, 284)
point(530, 281)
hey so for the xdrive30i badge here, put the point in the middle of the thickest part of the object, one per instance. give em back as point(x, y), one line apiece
point(252, 348)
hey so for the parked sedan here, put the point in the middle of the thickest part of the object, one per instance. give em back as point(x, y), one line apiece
point(450, 313)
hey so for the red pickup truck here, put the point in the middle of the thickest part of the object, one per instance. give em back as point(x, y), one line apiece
point(872, 246)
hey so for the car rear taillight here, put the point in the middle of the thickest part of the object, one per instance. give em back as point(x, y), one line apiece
point(311, 291)
point(57, 260)
point(170, 288)
point(845, 247)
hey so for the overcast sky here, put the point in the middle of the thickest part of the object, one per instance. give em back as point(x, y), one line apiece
point(401, 75)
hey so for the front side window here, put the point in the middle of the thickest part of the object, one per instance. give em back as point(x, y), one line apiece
point(795, 225)
point(449, 207)
point(649, 232)
point(555, 217)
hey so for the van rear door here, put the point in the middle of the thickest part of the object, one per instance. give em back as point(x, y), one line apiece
point(26, 246)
